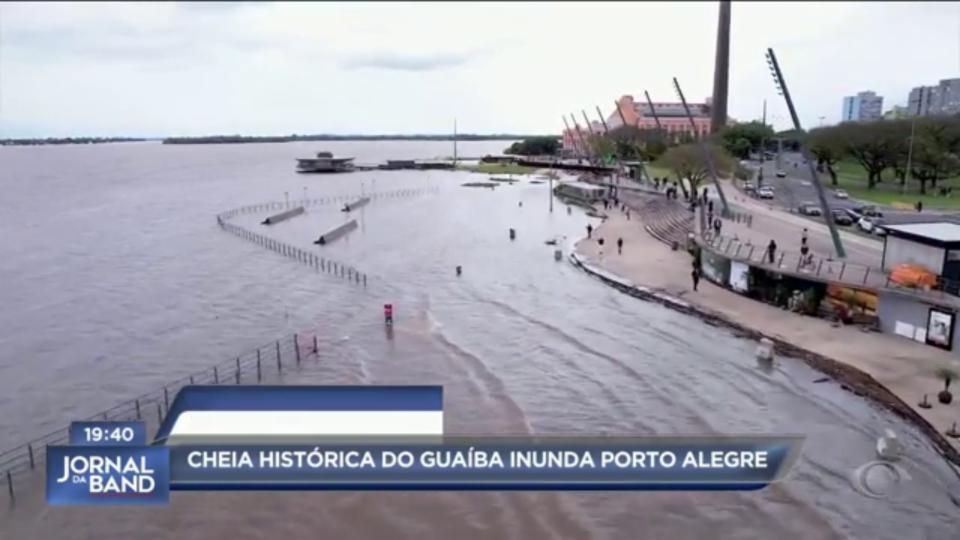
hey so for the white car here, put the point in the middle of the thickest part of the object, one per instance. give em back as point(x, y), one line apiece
point(871, 226)
point(781, 174)
point(841, 194)
point(765, 193)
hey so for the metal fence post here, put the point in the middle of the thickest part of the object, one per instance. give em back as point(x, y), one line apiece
point(216, 376)
point(780, 262)
point(296, 347)
point(10, 484)
point(191, 379)
point(865, 275)
point(30, 451)
point(843, 267)
point(279, 363)
point(159, 413)
point(166, 399)
point(237, 378)
point(238, 363)
point(314, 344)
point(259, 372)
point(137, 402)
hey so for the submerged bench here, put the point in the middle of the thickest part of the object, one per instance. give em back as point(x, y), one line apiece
point(332, 235)
point(356, 204)
point(283, 216)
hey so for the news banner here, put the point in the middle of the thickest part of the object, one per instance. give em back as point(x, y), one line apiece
point(375, 438)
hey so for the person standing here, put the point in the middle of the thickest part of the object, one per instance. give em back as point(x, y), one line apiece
point(803, 238)
point(589, 230)
point(771, 251)
point(695, 275)
point(619, 246)
point(717, 225)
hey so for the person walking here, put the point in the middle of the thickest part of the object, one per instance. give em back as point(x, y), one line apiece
point(919, 206)
point(771, 251)
point(619, 246)
point(803, 238)
point(717, 225)
point(695, 275)
point(589, 230)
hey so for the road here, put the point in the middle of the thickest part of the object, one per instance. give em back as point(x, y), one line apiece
point(797, 188)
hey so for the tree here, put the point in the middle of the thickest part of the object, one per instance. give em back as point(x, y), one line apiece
point(935, 150)
point(687, 162)
point(827, 147)
point(874, 145)
point(742, 139)
point(534, 146)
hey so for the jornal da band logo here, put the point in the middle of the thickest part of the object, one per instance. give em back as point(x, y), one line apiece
point(107, 475)
point(113, 474)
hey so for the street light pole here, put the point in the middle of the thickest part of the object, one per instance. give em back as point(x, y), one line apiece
point(827, 216)
point(704, 150)
point(913, 130)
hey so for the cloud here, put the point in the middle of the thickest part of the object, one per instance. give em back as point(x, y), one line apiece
point(405, 62)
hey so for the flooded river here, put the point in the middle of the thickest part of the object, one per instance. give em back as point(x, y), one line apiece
point(116, 279)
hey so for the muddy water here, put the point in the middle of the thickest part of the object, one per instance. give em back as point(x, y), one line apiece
point(119, 280)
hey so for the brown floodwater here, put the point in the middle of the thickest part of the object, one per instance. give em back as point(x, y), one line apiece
point(116, 279)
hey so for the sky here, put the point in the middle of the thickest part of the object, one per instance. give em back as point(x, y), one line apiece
point(168, 69)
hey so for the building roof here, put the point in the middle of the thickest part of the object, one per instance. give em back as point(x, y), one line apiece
point(941, 231)
point(584, 185)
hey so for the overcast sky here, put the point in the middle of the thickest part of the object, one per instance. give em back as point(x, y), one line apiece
point(159, 69)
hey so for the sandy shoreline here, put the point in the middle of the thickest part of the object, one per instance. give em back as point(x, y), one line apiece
point(883, 370)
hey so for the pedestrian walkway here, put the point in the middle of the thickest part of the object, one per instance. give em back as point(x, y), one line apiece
point(905, 368)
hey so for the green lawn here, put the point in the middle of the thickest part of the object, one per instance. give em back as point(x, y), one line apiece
point(497, 168)
point(656, 171)
point(853, 178)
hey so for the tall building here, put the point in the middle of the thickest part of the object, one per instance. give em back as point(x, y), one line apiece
point(920, 100)
point(943, 98)
point(864, 106)
point(673, 118)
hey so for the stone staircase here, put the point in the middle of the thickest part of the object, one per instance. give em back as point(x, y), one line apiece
point(666, 220)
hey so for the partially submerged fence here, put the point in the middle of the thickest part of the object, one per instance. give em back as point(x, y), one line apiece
point(263, 363)
point(318, 263)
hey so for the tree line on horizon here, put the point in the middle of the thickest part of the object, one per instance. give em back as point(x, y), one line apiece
point(67, 140)
point(233, 139)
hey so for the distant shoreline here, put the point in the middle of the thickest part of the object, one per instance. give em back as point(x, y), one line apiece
point(71, 140)
point(243, 139)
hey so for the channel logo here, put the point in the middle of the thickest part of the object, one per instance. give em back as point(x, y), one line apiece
point(108, 475)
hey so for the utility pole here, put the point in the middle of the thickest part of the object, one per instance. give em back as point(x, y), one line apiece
point(913, 130)
point(704, 150)
point(454, 142)
point(583, 141)
point(606, 132)
point(653, 112)
point(576, 147)
point(827, 216)
point(763, 147)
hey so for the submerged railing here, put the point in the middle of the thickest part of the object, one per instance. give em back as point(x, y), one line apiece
point(308, 257)
point(251, 367)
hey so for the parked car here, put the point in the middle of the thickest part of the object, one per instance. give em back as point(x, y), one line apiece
point(749, 186)
point(765, 193)
point(841, 218)
point(841, 194)
point(810, 209)
point(781, 174)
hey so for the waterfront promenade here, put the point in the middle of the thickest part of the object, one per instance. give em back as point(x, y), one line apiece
point(905, 368)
